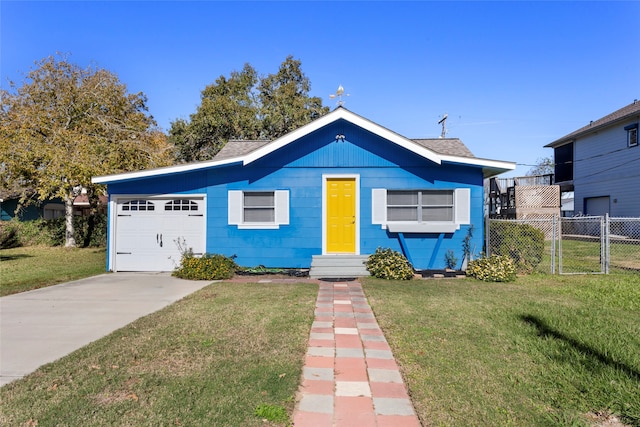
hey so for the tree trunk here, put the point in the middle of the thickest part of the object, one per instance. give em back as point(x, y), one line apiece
point(91, 220)
point(70, 241)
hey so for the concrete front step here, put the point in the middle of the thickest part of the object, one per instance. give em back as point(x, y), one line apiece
point(338, 266)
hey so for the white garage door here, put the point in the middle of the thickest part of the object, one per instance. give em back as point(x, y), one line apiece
point(150, 232)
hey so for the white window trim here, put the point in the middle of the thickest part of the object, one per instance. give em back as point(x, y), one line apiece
point(461, 214)
point(236, 210)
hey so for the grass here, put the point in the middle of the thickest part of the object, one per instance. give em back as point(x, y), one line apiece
point(544, 351)
point(579, 256)
point(228, 355)
point(26, 268)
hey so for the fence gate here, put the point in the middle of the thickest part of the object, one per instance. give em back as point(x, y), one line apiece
point(583, 246)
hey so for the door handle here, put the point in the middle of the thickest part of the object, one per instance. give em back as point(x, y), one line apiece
point(160, 239)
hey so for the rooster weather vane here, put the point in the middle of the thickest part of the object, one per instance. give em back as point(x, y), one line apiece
point(339, 94)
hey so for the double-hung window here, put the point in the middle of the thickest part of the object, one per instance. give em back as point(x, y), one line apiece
point(632, 135)
point(258, 209)
point(420, 205)
point(421, 211)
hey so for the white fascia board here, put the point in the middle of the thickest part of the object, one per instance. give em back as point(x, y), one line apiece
point(107, 179)
point(496, 164)
point(347, 115)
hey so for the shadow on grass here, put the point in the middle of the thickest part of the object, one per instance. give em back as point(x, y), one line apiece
point(14, 257)
point(546, 331)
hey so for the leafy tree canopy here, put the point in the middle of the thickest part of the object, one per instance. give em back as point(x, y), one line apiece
point(65, 124)
point(544, 166)
point(246, 106)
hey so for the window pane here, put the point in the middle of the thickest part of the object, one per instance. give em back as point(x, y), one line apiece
point(402, 198)
point(259, 199)
point(431, 198)
point(402, 214)
point(437, 214)
point(633, 137)
point(260, 215)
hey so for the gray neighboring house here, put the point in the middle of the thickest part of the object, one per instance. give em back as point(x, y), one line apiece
point(600, 163)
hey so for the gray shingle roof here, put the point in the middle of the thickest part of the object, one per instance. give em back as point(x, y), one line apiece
point(445, 146)
point(621, 114)
point(238, 148)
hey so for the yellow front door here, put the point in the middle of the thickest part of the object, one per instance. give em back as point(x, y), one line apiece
point(341, 215)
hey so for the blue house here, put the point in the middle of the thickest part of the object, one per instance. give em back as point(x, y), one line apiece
point(331, 191)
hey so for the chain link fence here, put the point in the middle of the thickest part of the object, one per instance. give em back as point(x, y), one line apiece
point(578, 245)
point(582, 245)
point(624, 243)
point(531, 243)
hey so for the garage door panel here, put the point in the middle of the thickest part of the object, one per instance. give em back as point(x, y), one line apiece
point(148, 240)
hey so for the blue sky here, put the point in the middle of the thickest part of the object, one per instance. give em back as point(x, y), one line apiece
point(512, 76)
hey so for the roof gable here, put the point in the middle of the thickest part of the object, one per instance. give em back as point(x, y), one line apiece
point(338, 114)
point(245, 152)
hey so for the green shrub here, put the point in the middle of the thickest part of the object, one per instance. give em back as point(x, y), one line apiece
point(496, 268)
point(523, 243)
point(389, 264)
point(89, 231)
point(450, 259)
point(8, 235)
point(208, 267)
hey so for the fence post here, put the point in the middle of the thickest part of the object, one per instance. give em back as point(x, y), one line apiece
point(607, 253)
point(560, 246)
point(553, 244)
point(487, 240)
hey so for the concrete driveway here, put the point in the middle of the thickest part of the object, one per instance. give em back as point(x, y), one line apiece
point(43, 325)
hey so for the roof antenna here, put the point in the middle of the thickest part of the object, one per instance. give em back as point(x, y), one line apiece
point(339, 94)
point(443, 122)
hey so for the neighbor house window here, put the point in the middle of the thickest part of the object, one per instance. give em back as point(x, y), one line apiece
point(421, 211)
point(258, 209)
point(632, 135)
point(53, 210)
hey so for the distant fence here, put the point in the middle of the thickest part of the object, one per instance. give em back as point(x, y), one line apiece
point(578, 245)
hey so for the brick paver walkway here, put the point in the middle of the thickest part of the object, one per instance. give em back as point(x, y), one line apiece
point(350, 377)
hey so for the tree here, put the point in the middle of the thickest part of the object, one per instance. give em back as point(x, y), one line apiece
point(228, 110)
point(544, 166)
point(285, 101)
point(244, 106)
point(65, 124)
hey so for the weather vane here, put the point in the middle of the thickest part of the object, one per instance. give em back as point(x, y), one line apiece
point(339, 94)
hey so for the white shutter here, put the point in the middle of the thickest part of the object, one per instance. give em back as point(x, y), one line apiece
point(235, 207)
point(378, 206)
point(462, 205)
point(282, 206)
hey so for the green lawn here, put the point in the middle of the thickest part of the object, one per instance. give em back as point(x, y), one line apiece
point(208, 360)
point(543, 351)
point(26, 268)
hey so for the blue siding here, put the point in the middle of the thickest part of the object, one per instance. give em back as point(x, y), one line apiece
point(299, 168)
